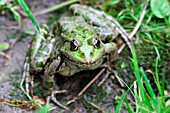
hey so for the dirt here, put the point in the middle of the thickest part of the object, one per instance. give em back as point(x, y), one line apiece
point(10, 75)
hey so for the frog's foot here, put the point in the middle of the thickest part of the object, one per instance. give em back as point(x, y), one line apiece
point(117, 77)
point(53, 98)
point(27, 78)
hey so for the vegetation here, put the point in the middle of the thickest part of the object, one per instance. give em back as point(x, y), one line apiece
point(154, 32)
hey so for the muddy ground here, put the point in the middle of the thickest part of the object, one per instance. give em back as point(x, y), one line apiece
point(10, 75)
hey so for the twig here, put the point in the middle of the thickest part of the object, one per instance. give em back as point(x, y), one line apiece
point(14, 42)
point(139, 21)
point(10, 27)
point(17, 103)
point(22, 13)
point(121, 48)
point(87, 86)
point(7, 57)
point(91, 82)
point(137, 25)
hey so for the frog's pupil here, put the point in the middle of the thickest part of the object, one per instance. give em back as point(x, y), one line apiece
point(73, 45)
point(97, 43)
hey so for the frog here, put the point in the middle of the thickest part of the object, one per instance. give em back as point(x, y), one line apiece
point(76, 43)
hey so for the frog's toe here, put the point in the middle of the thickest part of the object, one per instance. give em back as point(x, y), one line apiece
point(27, 78)
point(53, 98)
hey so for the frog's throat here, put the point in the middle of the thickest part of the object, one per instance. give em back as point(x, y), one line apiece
point(79, 63)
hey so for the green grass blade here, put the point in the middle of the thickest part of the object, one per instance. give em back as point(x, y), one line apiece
point(4, 46)
point(135, 65)
point(128, 106)
point(118, 107)
point(163, 81)
point(137, 73)
point(163, 87)
point(149, 90)
point(29, 13)
point(148, 85)
point(3, 2)
point(167, 96)
point(140, 105)
point(44, 109)
point(16, 16)
point(157, 52)
point(157, 78)
point(167, 109)
point(142, 94)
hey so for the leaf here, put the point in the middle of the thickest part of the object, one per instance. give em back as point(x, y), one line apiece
point(160, 8)
point(4, 46)
point(3, 2)
point(16, 16)
point(44, 109)
point(110, 3)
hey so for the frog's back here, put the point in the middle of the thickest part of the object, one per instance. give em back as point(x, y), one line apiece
point(75, 26)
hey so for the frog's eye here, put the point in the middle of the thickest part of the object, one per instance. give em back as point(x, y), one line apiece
point(74, 45)
point(96, 42)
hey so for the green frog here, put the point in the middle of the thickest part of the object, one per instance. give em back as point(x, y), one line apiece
point(76, 43)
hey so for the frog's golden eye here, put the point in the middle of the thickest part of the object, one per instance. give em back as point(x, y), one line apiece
point(96, 43)
point(74, 45)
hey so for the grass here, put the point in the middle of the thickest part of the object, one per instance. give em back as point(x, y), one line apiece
point(4, 8)
point(29, 13)
point(154, 30)
point(151, 28)
point(146, 100)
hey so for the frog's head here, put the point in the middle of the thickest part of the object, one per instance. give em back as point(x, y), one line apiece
point(83, 49)
point(81, 45)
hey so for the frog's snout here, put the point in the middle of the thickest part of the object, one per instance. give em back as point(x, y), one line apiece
point(88, 58)
point(87, 55)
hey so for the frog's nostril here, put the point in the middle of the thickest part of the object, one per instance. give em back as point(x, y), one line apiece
point(83, 55)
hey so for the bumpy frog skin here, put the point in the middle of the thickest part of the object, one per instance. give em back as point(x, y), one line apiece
point(82, 48)
point(73, 44)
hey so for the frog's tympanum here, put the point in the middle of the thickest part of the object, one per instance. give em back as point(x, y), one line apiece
point(73, 44)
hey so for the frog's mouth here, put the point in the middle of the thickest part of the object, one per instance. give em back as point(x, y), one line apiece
point(82, 63)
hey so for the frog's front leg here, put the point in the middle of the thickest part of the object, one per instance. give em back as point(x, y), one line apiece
point(112, 51)
point(26, 76)
point(112, 54)
point(40, 50)
point(48, 83)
